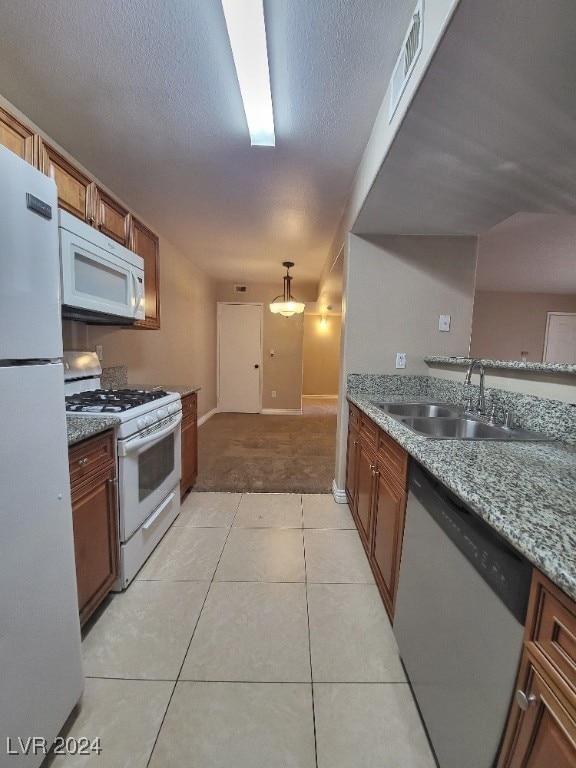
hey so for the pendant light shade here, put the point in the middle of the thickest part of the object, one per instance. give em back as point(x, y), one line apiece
point(285, 304)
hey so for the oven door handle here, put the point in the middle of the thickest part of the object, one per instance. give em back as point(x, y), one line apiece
point(155, 515)
point(139, 442)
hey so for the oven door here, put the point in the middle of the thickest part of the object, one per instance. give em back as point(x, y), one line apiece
point(148, 469)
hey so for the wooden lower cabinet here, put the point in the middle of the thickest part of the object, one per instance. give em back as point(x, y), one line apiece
point(541, 730)
point(147, 245)
point(189, 442)
point(95, 520)
point(376, 483)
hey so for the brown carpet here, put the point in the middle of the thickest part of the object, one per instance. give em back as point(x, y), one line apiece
point(245, 452)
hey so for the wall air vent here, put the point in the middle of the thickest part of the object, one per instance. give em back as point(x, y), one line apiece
point(407, 59)
point(240, 288)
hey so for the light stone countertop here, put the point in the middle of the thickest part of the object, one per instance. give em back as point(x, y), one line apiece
point(525, 491)
point(181, 389)
point(82, 427)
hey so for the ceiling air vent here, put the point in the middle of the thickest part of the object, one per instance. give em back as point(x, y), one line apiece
point(240, 288)
point(407, 59)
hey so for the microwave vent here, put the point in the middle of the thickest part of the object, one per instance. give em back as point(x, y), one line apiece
point(407, 59)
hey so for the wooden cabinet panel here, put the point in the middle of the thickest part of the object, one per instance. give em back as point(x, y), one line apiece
point(95, 520)
point(352, 455)
point(542, 732)
point(365, 493)
point(75, 190)
point(95, 541)
point(16, 137)
point(145, 243)
point(545, 733)
point(111, 218)
point(189, 443)
point(389, 513)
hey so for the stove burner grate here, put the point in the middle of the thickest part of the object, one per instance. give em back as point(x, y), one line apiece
point(111, 400)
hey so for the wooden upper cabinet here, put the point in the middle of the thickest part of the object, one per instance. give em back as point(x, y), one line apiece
point(111, 218)
point(16, 137)
point(75, 190)
point(145, 243)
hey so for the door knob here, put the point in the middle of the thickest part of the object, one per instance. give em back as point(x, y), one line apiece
point(256, 366)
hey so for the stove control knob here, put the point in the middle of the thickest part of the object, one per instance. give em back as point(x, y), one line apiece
point(173, 408)
point(141, 422)
point(149, 419)
point(161, 413)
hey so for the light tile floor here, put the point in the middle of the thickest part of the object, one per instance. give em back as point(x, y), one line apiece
point(254, 637)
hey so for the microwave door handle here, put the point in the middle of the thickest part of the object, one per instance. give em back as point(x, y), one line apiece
point(138, 291)
point(139, 442)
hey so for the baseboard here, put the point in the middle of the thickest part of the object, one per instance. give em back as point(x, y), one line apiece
point(320, 397)
point(281, 411)
point(339, 494)
point(207, 416)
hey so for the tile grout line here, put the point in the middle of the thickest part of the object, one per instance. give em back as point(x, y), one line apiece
point(309, 638)
point(190, 643)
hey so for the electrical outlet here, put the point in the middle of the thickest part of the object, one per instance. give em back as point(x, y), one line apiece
point(401, 360)
point(99, 351)
point(444, 322)
point(273, 393)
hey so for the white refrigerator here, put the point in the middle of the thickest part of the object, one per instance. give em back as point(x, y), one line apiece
point(41, 676)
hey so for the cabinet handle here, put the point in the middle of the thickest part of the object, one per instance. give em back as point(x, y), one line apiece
point(90, 220)
point(355, 442)
point(82, 462)
point(523, 701)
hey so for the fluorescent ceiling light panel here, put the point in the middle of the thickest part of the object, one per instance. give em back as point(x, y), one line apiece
point(247, 33)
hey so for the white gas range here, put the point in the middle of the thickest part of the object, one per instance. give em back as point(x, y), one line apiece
point(148, 451)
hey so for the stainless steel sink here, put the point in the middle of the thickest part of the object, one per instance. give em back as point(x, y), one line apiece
point(446, 421)
point(464, 428)
point(420, 409)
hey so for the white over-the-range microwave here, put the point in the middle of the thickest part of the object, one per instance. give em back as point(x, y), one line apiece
point(102, 281)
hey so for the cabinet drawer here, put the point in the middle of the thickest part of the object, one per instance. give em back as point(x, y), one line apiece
point(368, 432)
point(393, 459)
point(551, 626)
point(94, 455)
point(189, 406)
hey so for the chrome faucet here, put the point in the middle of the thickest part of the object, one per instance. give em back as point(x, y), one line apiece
point(481, 403)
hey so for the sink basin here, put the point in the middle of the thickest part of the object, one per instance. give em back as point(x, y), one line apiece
point(468, 429)
point(414, 410)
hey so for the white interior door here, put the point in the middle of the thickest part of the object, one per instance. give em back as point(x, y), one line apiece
point(239, 357)
point(560, 343)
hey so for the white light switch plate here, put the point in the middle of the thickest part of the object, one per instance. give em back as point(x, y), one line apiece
point(400, 360)
point(444, 322)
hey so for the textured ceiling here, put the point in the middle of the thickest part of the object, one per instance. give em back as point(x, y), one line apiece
point(144, 94)
point(492, 129)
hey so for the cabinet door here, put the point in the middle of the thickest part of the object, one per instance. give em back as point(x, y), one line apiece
point(365, 493)
point(95, 541)
point(351, 464)
point(75, 189)
point(16, 137)
point(189, 443)
point(111, 218)
point(389, 510)
point(145, 244)
point(545, 735)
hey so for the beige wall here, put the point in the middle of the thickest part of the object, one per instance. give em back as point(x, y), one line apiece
point(183, 351)
point(395, 288)
point(512, 326)
point(281, 373)
point(321, 355)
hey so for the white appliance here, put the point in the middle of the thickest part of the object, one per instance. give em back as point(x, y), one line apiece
point(41, 676)
point(149, 456)
point(102, 282)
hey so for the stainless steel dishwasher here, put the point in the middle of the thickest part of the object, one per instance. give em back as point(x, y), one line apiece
point(460, 611)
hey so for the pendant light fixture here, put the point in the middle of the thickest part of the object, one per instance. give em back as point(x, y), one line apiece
point(285, 304)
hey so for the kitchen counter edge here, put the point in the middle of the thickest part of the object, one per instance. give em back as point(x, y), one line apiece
point(82, 427)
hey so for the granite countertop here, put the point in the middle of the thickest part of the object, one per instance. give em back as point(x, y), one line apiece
point(81, 427)
point(525, 491)
point(181, 389)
